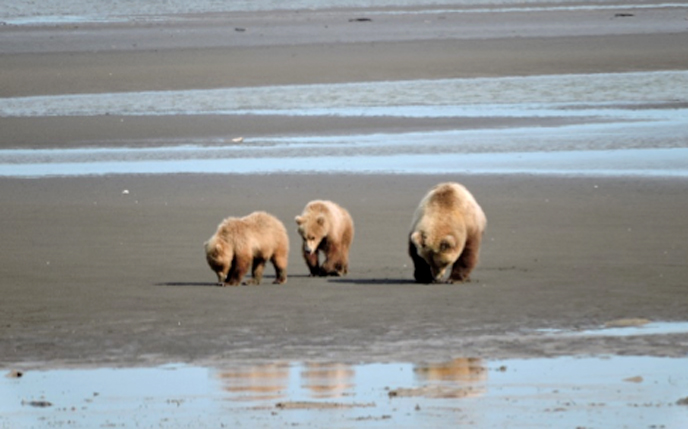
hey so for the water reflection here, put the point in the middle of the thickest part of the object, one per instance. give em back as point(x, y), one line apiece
point(457, 378)
point(328, 380)
point(256, 383)
point(612, 391)
point(278, 381)
point(460, 370)
point(454, 379)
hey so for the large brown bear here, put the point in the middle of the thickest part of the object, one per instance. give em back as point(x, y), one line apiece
point(327, 227)
point(447, 229)
point(250, 241)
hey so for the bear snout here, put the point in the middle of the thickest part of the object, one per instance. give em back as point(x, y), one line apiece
point(438, 273)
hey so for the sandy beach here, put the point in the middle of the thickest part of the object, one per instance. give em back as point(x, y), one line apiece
point(109, 271)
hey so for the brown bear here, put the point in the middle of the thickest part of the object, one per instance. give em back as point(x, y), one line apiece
point(325, 226)
point(250, 241)
point(447, 229)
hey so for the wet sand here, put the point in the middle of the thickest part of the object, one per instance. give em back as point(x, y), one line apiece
point(102, 272)
point(95, 276)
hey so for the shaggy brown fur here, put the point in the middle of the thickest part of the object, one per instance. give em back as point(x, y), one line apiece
point(325, 226)
point(447, 230)
point(250, 241)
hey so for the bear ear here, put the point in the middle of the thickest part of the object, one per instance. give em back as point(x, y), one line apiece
point(321, 220)
point(418, 239)
point(299, 220)
point(447, 243)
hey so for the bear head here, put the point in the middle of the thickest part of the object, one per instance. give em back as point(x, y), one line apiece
point(313, 229)
point(439, 252)
point(216, 255)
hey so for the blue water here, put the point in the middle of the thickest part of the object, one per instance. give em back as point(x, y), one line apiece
point(609, 124)
point(638, 162)
point(615, 95)
point(564, 392)
point(650, 328)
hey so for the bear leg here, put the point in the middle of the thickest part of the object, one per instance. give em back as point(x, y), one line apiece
point(344, 255)
point(463, 266)
point(280, 264)
point(280, 260)
point(312, 262)
point(335, 264)
point(421, 272)
point(239, 269)
point(256, 272)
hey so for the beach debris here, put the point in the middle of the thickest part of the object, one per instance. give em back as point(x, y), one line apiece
point(239, 29)
point(125, 192)
point(360, 20)
point(238, 139)
point(14, 374)
point(312, 405)
point(623, 15)
point(38, 404)
point(436, 392)
point(373, 418)
point(636, 379)
point(682, 401)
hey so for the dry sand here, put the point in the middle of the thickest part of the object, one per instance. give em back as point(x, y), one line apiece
point(95, 276)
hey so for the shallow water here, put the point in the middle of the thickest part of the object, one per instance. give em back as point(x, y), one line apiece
point(649, 328)
point(78, 11)
point(641, 162)
point(569, 392)
point(610, 124)
point(618, 96)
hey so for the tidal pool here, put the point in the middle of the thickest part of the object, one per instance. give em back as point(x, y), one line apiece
point(609, 391)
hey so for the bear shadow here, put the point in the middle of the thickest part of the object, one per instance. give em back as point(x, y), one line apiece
point(188, 284)
point(374, 281)
point(266, 279)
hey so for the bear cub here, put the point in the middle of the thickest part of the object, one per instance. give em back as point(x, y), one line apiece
point(326, 227)
point(447, 230)
point(248, 242)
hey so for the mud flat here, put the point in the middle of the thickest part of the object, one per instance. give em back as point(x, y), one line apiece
point(104, 212)
point(110, 271)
